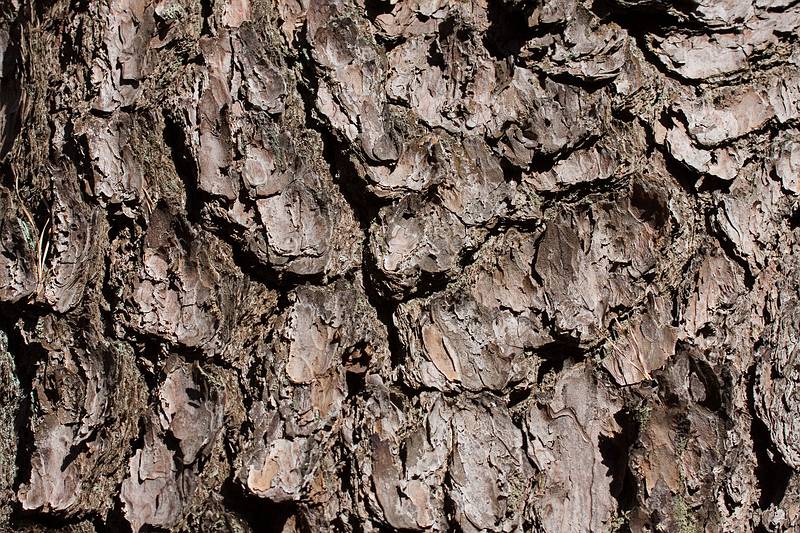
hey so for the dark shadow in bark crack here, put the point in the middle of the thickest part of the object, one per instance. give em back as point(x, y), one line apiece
point(555, 357)
point(713, 391)
point(649, 17)
point(26, 358)
point(10, 91)
point(727, 246)
point(615, 451)
point(508, 27)
point(376, 8)
point(185, 167)
point(261, 515)
point(772, 473)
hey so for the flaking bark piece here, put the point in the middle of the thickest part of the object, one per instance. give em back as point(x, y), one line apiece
point(712, 135)
point(300, 225)
point(589, 271)
point(746, 216)
point(326, 341)
point(119, 68)
point(73, 244)
point(460, 454)
point(719, 282)
point(777, 379)
point(564, 443)
point(162, 476)
point(186, 289)
point(477, 335)
point(616, 156)
point(266, 185)
point(351, 91)
point(190, 409)
point(117, 174)
point(535, 118)
point(474, 186)
point(414, 242)
point(722, 56)
point(18, 243)
point(643, 343)
point(786, 157)
point(729, 113)
point(447, 78)
point(464, 173)
point(156, 489)
point(577, 44)
point(87, 396)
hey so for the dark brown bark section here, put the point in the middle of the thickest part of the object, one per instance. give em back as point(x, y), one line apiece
point(360, 265)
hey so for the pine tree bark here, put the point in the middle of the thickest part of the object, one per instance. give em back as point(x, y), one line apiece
point(399, 265)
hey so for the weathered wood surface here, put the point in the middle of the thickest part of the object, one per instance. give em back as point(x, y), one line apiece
point(407, 265)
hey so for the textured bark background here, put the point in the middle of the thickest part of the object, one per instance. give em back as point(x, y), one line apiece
point(407, 265)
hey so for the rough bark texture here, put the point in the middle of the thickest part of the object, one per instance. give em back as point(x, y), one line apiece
point(400, 265)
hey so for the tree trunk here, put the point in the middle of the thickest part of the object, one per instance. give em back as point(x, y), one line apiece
point(407, 265)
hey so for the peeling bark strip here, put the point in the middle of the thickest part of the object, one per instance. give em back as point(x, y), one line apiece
point(399, 265)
